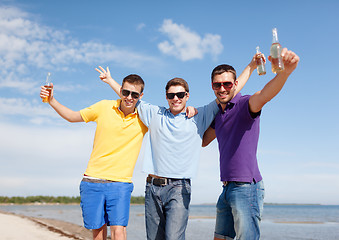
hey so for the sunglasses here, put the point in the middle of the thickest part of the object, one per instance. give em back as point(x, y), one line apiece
point(178, 94)
point(217, 85)
point(126, 93)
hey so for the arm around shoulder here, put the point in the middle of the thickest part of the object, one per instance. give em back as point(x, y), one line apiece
point(209, 136)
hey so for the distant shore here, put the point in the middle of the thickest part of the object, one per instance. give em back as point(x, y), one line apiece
point(43, 200)
point(206, 204)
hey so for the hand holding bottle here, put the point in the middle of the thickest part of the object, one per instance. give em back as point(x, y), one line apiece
point(47, 89)
point(46, 93)
point(290, 59)
point(260, 61)
point(275, 52)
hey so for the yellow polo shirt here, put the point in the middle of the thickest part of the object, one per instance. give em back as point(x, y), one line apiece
point(117, 141)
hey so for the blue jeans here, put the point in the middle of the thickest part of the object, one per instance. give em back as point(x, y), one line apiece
point(239, 211)
point(166, 210)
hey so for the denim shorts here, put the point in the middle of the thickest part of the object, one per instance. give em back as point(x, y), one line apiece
point(105, 203)
point(239, 211)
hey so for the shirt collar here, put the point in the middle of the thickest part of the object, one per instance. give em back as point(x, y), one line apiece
point(116, 106)
point(235, 99)
point(179, 114)
point(232, 102)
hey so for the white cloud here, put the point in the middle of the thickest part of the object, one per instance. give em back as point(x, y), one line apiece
point(27, 46)
point(25, 107)
point(55, 156)
point(186, 44)
point(141, 26)
point(29, 111)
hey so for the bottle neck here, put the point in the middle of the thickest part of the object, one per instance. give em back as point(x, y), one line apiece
point(258, 50)
point(275, 36)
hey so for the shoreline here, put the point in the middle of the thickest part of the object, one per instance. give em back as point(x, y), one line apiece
point(36, 226)
point(39, 228)
point(203, 204)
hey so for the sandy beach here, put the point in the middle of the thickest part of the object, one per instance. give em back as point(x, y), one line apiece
point(14, 227)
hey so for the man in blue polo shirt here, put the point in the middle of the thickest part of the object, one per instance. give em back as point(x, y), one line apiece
point(236, 128)
point(171, 156)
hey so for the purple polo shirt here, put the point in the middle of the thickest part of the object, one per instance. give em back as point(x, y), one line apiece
point(237, 134)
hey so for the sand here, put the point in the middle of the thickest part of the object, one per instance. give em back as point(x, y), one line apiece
point(14, 227)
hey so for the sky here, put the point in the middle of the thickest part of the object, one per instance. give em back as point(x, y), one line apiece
point(42, 154)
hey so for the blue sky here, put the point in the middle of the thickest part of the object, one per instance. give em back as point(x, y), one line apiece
point(41, 154)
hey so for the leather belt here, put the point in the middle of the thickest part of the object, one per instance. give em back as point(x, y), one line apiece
point(225, 183)
point(91, 180)
point(161, 181)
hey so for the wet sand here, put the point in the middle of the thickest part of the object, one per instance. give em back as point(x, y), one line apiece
point(14, 227)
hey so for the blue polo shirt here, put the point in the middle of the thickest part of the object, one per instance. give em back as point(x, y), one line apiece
point(238, 134)
point(174, 141)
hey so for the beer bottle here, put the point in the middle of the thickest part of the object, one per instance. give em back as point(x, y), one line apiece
point(48, 87)
point(259, 58)
point(277, 62)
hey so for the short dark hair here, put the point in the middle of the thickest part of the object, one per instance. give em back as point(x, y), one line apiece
point(223, 68)
point(177, 82)
point(135, 80)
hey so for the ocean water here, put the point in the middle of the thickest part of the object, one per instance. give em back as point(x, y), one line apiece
point(311, 222)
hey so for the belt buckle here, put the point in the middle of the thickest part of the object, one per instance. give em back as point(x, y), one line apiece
point(160, 181)
point(165, 182)
point(157, 181)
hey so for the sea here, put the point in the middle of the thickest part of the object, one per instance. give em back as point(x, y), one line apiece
point(311, 222)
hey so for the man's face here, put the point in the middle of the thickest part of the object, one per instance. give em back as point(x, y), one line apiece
point(177, 104)
point(130, 94)
point(224, 87)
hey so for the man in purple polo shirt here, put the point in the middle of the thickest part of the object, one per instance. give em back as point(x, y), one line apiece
point(236, 128)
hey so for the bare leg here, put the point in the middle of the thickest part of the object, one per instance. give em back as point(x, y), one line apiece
point(100, 233)
point(118, 233)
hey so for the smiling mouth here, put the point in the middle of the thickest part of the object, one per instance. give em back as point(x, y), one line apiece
point(176, 104)
point(223, 94)
point(128, 102)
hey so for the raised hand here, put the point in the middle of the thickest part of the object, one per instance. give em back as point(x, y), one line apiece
point(105, 75)
point(253, 64)
point(46, 94)
point(290, 60)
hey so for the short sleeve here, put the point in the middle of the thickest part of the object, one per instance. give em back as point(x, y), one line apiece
point(146, 111)
point(206, 115)
point(91, 113)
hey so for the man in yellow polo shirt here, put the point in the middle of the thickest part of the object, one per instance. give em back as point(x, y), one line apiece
point(107, 185)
